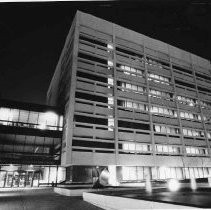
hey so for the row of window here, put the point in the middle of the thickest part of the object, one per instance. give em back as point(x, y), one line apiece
point(196, 151)
point(154, 63)
point(136, 147)
point(186, 100)
point(139, 89)
point(194, 133)
point(161, 110)
point(131, 71)
point(191, 116)
point(171, 130)
point(181, 99)
point(167, 149)
point(135, 173)
point(159, 93)
point(136, 72)
point(192, 102)
point(132, 147)
point(24, 118)
point(135, 105)
point(166, 111)
point(135, 88)
point(158, 78)
point(166, 129)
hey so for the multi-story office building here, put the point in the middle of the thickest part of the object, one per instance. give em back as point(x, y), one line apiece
point(132, 104)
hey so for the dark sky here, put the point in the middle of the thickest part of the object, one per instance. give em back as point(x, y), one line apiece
point(32, 35)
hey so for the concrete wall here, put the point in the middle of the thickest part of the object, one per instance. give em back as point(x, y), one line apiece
point(89, 158)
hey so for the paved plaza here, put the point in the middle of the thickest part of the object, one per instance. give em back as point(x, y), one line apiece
point(41, 199)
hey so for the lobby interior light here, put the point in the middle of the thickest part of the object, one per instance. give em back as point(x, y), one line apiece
point(173, 185)
point(51, 116)
point(42, 126)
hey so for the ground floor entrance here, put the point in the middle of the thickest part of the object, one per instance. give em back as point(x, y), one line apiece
point(19, 178)
point(30, 176)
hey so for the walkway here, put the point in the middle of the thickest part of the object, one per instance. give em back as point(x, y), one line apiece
point(41, 199)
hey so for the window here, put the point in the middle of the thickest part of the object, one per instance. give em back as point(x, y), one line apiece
point(136, 147)
point(110, 46)
point(110, 81)
point(110, 100)
point(110, 124)
point(110, 63)
point(157, 128)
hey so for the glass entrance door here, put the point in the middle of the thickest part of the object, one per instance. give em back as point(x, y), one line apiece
point(22, 179)
point(16, 179)
point(9, 179)
point(29, 178)
point(3, 175)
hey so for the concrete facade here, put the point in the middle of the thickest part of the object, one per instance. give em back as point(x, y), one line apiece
point(131, 101)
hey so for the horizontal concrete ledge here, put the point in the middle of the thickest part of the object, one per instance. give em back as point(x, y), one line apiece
point(119, 203)
point(79, 192)
point(71, 192)
point(25, 189)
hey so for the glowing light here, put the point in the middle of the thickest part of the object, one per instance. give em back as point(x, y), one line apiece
point(148, 184)
point(193, 184)
point(110, 63)
point(173, 185)
point(110, 46)
point(112, 180)
point(51, 116)
point(5, 114)
point(42, 126)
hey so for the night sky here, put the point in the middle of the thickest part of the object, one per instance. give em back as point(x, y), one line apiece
point(32, 36)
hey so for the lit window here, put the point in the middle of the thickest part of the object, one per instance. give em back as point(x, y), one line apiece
point(129, 104)
point(182, 114)
point(110, 123)
point(110, 81)
point(160, 110)
point(110, 63)
point(141, 107)
point(186, 115)
point(188, 150)
point(185, 132)
point(165, 148)
point(140, 89)
point(110, 46)
point(110, 100)
point(159, 148)
point(131, 146)
point(134, 87)
point(128, 86)
point(135, 105)
point(190, 133)
point(168, 130)
point(192, 150)
point(139, 147)
point(157, 128)
point(163, 129)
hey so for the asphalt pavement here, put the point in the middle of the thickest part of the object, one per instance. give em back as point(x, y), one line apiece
point(41, 199)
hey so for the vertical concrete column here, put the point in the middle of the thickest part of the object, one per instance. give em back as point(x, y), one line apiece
point(178, 109)
point(70, 123)
point(200, 108)
point(112, 175)
point(115, 100)
point(149, 107)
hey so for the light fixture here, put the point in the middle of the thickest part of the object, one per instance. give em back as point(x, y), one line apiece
point(42, 126)
point(110, 46)
point(173, 185)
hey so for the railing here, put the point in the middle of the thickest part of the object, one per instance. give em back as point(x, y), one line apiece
point(30, 125)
